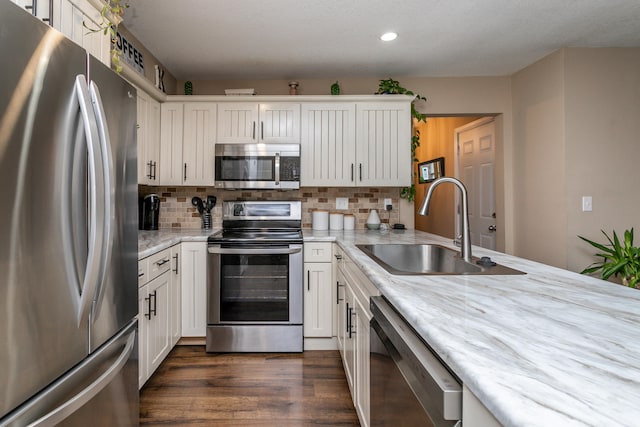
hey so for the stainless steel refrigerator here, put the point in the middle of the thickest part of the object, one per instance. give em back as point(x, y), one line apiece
point(68, 232)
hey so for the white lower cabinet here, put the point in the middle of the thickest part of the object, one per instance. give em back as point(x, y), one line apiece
point(175, 324)
point(154, 314)
point(194, 289)
point(159, 320)
point(353, 316)
point(318, 290)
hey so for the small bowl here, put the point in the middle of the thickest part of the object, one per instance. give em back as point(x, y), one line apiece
point(373, 226)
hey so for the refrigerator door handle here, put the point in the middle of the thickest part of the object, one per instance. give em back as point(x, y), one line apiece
point(107, 192)
point(76, 402)
point(96, 203)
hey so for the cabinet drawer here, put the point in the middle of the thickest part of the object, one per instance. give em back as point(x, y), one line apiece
point(317, 252)
point(159, 263)
point(143, 271)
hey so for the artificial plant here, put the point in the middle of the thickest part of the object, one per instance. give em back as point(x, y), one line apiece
point(618, 259)
point(391, 86)
point(116, 9)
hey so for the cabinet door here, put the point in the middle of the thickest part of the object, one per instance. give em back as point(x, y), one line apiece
point(143, 327)
point(175, 320)
point(145, 169)
point(349, 352)
point(194, 289)
point(328, 141)
point(383, 144)
point(279, 123)
point(158, 344)
point(317, 300)
point(75, 19)
point(152, 151)
point(361, 321)
point(171, 125)
point(199, 143)
point(237, 122)
point(38, 8)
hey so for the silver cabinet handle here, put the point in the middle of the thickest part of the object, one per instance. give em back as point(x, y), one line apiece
point(308, 280)
point(140, 273)
point(176, 269)
point(492, 228)
point(347, 318)
point(155, 303)
point(360, 167)
point(277, 168)
point(338, 286)
point(230, 251)
point(148, 300)
point(162, 262)
point(253, 134)
point(351, 171)
point(262, 131)
point(338, 256)
point(185, 172)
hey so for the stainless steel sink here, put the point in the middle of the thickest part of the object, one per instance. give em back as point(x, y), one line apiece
point(429, 260)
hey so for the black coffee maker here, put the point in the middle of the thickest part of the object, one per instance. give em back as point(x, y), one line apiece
point(149, 212)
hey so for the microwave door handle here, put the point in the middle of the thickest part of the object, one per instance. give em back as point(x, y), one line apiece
point(277, 167)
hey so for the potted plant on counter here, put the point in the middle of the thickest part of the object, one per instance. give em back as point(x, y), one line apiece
point(618, 259)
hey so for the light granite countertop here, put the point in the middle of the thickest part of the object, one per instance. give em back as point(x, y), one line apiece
point(549, 348)
point(150, 242)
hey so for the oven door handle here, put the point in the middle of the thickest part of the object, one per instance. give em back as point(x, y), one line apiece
point(230, 251)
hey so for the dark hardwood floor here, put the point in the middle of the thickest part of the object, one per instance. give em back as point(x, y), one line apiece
point(195, 388)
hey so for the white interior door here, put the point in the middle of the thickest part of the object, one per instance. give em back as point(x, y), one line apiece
point(476, 159)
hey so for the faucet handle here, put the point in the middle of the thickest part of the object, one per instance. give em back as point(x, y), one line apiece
point(458, 241)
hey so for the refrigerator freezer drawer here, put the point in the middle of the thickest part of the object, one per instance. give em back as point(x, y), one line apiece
point(100, 391)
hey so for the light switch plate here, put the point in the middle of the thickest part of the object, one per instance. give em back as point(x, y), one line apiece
point(342, 203)
point(387, 202)
point(587, 204)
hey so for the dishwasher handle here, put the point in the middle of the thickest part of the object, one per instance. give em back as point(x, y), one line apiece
point(435, 387)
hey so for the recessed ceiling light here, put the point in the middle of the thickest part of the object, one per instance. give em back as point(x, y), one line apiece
point(387, 37)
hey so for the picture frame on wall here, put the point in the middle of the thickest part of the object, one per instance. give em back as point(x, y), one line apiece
point(430, 170)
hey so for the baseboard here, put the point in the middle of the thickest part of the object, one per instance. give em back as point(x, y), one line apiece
point(320, 343)
point(192, 341)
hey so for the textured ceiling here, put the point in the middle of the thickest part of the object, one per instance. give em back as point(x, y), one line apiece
point(282, 39)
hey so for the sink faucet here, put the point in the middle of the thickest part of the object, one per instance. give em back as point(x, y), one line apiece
point(465, 244)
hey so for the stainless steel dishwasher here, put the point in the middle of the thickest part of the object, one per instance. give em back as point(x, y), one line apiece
point(409, 385)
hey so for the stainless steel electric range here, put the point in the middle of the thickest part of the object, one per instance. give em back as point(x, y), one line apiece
point(255, 284)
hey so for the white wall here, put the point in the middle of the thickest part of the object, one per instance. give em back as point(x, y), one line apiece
point(602, 109)
point(539, 161)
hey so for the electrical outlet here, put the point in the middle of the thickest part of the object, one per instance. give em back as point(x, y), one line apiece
point(388, 205)
point(342, 203)
point(587, 204)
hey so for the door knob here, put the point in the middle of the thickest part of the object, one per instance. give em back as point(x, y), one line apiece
point(492, 228)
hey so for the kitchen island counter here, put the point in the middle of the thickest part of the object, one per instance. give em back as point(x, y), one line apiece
point(548, 348)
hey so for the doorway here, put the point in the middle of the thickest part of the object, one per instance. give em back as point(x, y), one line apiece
point(437, 138)
point(475, 167)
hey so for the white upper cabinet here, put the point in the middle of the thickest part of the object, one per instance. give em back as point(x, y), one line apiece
point(327, 147)
point(75, 19)
point(356, 144)
point(187, 143)
point(383, 144)
point(148, 139)
point(243, 122)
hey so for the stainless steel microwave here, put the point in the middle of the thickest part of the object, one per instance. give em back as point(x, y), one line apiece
point(257, 166)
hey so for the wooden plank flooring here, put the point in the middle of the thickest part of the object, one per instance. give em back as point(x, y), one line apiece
point(195, 388)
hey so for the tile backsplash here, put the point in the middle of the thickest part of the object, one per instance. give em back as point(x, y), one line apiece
point(176, 210)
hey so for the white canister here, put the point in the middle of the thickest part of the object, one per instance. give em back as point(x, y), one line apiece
point(373, 217)
point(335, 221)
point(349, 222)
point(320, 220)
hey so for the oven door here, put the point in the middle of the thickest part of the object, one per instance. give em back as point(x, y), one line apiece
point(254, 284)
